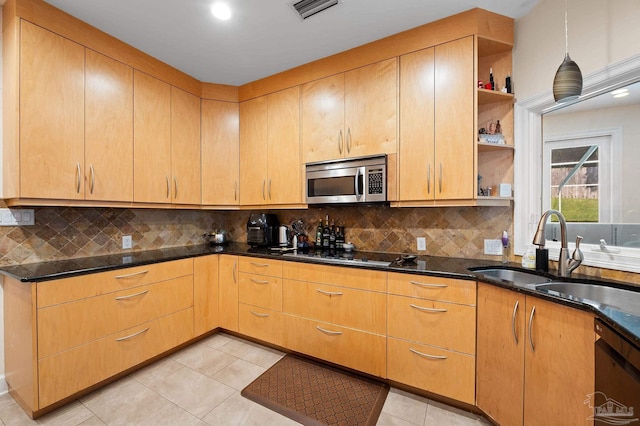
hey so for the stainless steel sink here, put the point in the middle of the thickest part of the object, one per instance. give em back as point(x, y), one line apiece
point(512, 276)
point(600, 296)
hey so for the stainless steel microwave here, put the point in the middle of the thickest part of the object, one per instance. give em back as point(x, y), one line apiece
point(355, 180)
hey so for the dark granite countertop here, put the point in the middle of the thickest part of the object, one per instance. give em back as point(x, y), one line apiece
point(628, 324)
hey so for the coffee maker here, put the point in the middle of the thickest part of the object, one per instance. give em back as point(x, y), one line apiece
point(262, 230)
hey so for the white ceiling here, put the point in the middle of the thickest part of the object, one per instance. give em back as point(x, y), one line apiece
point(263, 37)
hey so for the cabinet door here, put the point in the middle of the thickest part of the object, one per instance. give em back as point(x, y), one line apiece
point(323, 135)
point(228, 292)
point(152, 139)
point(417, 165)
point(500, 354)
point(253, 151)
point(454, 120)
point(205, 294)
point(108, 129)
point(559, 364)
point(185, 147)
point(220, 155)
point(371, 105)
point(283, 147)
point(51, 115)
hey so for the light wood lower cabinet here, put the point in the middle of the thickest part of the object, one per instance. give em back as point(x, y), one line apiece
point(535, 359)
point(71, 334)
point(228, 292)
point(205, 294)
point(260, 323)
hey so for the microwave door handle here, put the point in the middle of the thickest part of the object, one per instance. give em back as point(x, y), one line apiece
point(357, 183)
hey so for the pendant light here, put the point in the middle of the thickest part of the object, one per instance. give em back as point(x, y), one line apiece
point(567, 85)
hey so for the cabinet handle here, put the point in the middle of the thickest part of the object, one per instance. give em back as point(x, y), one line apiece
point(235, 191)
point(132, 295)
point(421, 308)
point(78, 172)
point(340, 142)
point(234, 272)
point(349, 140)
point(513, 322)
point(264, 182)
point(429, 178)
point(533, 311)
point(429, 285)
point(440, 183)
point(175, 184)
point(131, 336)
point(329, 293)
point(260, 265)
point(259, 315)
point(259, 281)
point(269, 189)
point(93, 177)
point(119, 277)
point(168, 186)
point(427, 355)
point(332, 333)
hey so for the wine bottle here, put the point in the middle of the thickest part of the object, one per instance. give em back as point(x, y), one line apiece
point(332, 236)
point(319, 234)
point(326, 232)
point(340, 238)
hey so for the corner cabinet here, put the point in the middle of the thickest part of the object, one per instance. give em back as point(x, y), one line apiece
point(536, 366)
point(270, 169)
point(351, 114)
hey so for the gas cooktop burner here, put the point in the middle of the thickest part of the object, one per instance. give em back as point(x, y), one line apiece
point(343, 259)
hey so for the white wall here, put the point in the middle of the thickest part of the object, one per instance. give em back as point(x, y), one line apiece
point(601, 32)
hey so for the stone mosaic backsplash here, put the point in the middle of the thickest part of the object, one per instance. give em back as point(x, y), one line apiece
point(72, 232)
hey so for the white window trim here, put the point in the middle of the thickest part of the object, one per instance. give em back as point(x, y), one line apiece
point(528, 167)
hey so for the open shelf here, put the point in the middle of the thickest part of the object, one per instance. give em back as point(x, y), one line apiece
point(490, 96)
point(488, 147)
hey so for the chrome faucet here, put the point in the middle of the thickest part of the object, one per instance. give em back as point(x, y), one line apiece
point(566, 265)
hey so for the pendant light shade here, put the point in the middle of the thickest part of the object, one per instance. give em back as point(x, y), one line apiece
point(567, 85)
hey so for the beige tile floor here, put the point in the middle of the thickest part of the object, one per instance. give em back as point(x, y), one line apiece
point(200, 385)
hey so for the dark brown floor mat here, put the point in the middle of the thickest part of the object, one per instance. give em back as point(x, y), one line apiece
point(316, 394)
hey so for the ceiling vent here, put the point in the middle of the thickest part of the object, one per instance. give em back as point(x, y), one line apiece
point(307, 8)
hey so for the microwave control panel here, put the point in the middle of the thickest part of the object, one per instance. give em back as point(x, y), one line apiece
point(375, 177)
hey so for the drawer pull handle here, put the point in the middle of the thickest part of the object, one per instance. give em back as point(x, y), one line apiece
point(132, 295)
point(119, 277)
point(513, 322)
point(259, 314)
point(329, 293)
point(333, 333)
point(234, 272)
point(131, 336)
point(427, 355)
point(260, 265)
point(429, 285)
point(259, 281)
point(420, 308)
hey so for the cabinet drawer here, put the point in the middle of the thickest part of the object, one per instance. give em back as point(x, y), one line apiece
point(260, 266)
point(68, 289)
point(446, 325)
point(262, 324)
point(434, 288)
point(261, 290)
point(71, 324)
point(446, 373)
point(364, 279)
point(351, 348)
point(68, 372)
point(364, 310)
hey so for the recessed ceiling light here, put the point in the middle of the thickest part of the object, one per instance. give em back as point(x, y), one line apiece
point(621, 95)
point(620, 92)
point(221, 11)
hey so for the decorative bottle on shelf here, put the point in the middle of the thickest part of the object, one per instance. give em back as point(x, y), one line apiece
point(493, 84)
point(508, 84)
point(505, 247)
point(332, 237)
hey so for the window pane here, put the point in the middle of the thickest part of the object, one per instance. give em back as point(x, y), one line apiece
point(575, 183)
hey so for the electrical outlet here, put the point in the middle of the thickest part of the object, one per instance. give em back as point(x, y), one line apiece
point(493, 247)
point(422, 243)
point(126, 242)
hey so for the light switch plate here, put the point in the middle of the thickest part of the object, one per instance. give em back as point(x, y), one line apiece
point(16, 217)
point(422, 243)
point(126, 242)
point(493, 247)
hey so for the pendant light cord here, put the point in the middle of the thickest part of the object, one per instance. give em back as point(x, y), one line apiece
point(566, 28)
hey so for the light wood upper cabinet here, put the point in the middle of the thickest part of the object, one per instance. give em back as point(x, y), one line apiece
point(536, 366)
point(152, 139)
point(270, 169)
point(108, 129)
point(220, 153)
point(51, 115)
point(351, 114)
point(185, 147)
